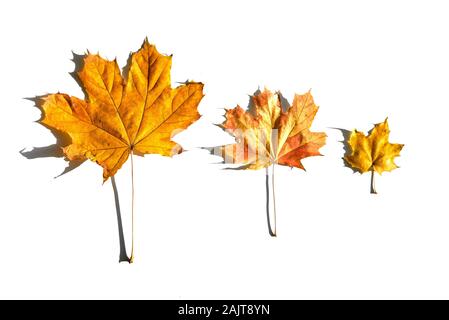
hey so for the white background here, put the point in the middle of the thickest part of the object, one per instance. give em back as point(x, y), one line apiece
point(201, 231)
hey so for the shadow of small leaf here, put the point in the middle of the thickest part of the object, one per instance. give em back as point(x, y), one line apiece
point(346, 147)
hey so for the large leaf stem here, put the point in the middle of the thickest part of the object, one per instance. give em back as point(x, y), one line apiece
point(271, 201)
point(123, 255)
point(131, 258)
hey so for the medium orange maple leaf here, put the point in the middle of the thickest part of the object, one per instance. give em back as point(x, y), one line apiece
point(121, 115)
point(266, 134)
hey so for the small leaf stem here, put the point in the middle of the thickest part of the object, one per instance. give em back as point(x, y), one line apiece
point(373, 185)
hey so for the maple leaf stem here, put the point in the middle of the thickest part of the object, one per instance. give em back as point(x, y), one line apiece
point(271, 208)
point(274, 200)
point(373, 186)
point(131, 258)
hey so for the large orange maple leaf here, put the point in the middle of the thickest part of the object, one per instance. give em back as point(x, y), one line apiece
point(121, 115)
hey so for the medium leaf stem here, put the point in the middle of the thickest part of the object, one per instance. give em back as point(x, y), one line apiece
point(271, 205)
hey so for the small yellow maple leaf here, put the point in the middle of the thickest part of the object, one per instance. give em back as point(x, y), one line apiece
point(138, 114)
point(372, 152)
point(266, 134)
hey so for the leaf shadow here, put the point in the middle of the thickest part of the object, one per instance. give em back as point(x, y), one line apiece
point(285, 104)
point(123, 257)
point(346, 147)
point(53, 150)
point(78, 60)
